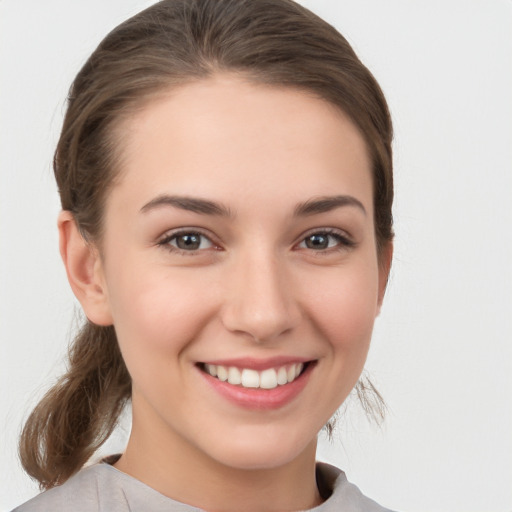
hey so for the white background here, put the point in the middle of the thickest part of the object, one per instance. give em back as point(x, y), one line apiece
point(442, 350)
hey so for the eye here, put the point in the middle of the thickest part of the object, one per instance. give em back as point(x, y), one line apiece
point(188, 241)
point(324, 240)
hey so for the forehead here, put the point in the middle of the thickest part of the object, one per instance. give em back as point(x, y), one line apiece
point(225, 135)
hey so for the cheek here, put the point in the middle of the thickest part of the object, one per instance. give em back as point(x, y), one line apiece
point(155, 311)
point(343, 313)
point(346, 307)
point(155, 321)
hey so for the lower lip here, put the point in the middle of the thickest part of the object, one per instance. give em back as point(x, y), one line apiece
point(257, 398)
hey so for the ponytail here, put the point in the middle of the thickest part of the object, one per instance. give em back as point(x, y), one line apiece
point(78, 414)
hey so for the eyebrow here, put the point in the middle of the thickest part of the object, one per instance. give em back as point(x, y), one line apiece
point(191, 204)
point(206, 207)
point(326, 204)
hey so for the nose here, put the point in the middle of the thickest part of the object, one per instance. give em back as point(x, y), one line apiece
point(260, 300)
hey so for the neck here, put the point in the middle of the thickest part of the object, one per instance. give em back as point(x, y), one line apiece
point(180, 471)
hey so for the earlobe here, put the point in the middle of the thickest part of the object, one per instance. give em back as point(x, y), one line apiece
point(84, 270)
point(385, 260)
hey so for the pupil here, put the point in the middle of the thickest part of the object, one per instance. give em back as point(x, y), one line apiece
point(188, 242)
point(317, 242)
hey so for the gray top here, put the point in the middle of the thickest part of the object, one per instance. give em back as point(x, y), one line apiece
point(103, 488)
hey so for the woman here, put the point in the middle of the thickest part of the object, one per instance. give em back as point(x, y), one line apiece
point(226, 183)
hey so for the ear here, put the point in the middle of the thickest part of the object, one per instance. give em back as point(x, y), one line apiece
point(385, 258)
point(84, 270)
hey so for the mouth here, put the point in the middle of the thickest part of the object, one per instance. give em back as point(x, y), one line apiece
point(258, 385)
point(249, 378)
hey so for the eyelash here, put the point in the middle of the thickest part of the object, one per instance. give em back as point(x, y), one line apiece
point(341, 239)
point(166, 242)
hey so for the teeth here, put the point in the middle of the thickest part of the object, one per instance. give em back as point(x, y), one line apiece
point(248, 378)
point(268, 379)
point(222, 373)
point(234, 376)
point(211, 369)
point(282, 376)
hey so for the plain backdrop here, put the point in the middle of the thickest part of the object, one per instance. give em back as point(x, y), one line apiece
point(442, 349)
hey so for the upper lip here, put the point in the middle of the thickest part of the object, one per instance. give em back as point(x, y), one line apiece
point(258, 364)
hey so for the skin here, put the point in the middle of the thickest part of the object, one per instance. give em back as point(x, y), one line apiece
point(255, 288)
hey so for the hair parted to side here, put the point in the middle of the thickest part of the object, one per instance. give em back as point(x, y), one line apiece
point(174, 42)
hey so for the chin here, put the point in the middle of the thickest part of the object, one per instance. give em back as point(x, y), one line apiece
point(264, 450)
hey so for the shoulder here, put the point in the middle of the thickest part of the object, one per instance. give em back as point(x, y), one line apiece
point(79, 492)
point(344, 496)
point(102, 488)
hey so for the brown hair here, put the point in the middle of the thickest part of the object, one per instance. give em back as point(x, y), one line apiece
point(276, 42)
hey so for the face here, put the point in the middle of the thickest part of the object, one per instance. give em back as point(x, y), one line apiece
point(239, 269)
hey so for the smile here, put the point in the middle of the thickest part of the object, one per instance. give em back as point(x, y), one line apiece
point(250, 378)
point(258, 385)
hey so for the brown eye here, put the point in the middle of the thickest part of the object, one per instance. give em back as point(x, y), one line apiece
point(317, 241)
point(189, 241)
point(322, 241)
